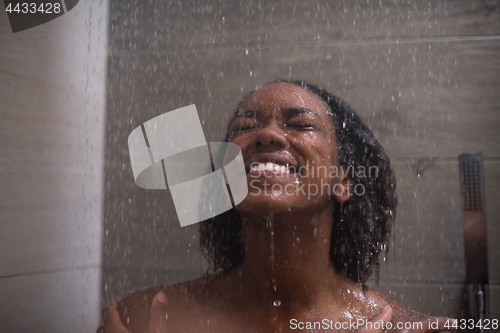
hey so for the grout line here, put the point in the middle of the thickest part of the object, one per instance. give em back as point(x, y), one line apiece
point(403, 40)
point(32, 80)
point(51, 271)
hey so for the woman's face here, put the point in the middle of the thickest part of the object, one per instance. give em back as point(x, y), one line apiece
point(288, 145)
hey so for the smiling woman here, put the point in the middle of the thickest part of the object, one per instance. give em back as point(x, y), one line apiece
point(299, 248)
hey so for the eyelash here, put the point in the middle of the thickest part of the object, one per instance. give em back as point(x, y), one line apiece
point(300, 125)
point(242, 128)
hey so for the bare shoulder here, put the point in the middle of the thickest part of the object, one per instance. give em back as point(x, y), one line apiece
point(402, 314)
point(134, 308)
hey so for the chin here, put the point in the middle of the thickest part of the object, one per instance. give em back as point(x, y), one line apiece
point(264, 204)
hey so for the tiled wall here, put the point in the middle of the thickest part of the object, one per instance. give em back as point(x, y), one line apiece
point(52, 111)
point(422, 74)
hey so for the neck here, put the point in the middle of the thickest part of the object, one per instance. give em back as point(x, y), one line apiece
point(287, 265)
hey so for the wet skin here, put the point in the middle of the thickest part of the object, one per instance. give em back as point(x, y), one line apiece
point(286, 234)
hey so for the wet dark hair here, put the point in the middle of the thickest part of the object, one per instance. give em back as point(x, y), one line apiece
point(361, 225)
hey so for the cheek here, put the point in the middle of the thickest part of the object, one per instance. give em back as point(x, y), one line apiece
point(321, 161)
point(316, 147)
point(239, 140)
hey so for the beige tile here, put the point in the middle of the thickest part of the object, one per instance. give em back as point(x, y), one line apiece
point(52, 109)
point(40, 119)
point(120, 282)
point(428, 240)
point(162, 26)
point(51, 178)
point(492, 188)
point(494, 302)
point(51, 141)
point(48, 216)
point(147, 235)
point(67, 55)
point(66, 301)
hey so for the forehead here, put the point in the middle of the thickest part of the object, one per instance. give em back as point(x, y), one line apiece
point(280, 95)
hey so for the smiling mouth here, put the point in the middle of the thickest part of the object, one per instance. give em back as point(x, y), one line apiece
point(272, 167)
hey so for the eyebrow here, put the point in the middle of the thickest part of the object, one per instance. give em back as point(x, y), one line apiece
point(295, 111)
point(290, 112)
point(246, 113)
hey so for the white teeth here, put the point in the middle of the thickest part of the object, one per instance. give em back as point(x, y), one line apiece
point(269, 166)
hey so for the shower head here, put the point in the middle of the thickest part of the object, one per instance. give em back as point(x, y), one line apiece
point(473, 216)
point(474, 225)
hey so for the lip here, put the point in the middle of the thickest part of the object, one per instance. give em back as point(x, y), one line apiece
point(282, 159)
point(270, 174)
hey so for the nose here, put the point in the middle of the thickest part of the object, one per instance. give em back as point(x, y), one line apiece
point(270, 136)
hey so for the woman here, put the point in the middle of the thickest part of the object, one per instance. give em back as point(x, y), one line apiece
point(298, 250)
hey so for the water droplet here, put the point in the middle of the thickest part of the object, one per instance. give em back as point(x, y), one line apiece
point(277, 303)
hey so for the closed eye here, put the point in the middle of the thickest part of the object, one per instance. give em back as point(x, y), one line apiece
point(242, 128)
point(301, 125)
point(243, 123)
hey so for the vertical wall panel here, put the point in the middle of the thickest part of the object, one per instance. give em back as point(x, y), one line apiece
point(52, 111)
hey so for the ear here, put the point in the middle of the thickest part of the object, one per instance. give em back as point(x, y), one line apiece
point(343, 189)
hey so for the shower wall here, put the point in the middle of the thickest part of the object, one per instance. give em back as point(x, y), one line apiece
point(52, 111)
point(423, 75)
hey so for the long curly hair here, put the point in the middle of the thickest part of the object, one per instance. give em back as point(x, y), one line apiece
point(361, 225)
